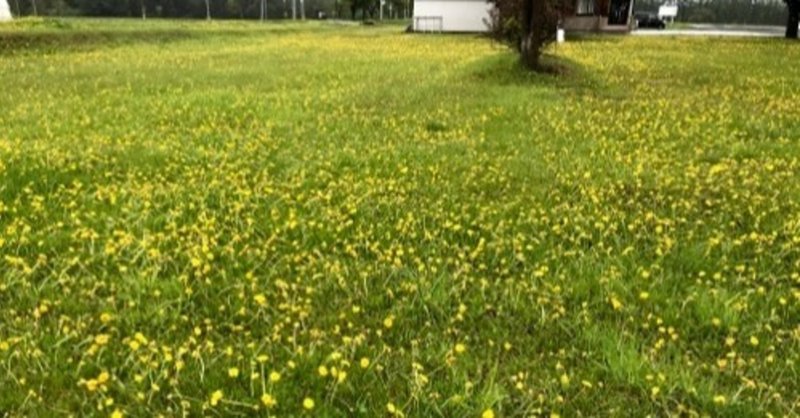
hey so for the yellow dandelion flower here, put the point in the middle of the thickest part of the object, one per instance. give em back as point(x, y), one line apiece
point(364, 363)
point(388, 322)
point(274, 377)
point(308, 403)
point(489, 413)
point(268, 400)
point(215, 398)
point(233, 372)
point(91, 385)
point(460, 348)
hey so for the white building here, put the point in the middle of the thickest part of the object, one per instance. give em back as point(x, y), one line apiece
point(600, 16)
point(5, 11)
point(451, 15)
point(474, 16)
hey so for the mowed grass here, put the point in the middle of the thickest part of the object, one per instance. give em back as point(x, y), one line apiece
point(320, 220)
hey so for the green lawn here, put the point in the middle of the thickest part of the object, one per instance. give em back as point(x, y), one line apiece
point(232, 218)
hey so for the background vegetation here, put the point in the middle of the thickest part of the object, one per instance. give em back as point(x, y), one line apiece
point(769, 12)
point(228, 9)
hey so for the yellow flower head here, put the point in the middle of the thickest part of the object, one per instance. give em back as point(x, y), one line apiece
point(308, 403)
point(215, 398)
point(388, 322)
point(268, 400)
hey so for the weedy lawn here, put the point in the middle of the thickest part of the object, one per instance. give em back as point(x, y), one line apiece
point(323, 220)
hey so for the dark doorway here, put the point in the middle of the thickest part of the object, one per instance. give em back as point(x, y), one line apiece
point(618, 12)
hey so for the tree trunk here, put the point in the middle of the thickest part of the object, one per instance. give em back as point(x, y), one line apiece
point(144, 10)
point(208, 9)
point(794, 19)
point(528, 49)
point(533, 23)
point(35, 11)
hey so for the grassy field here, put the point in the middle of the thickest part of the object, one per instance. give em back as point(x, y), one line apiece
point(320, 220)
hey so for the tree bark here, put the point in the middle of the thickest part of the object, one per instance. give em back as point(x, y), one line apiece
point(208, 9)
point(794, 18)
point(533, 22)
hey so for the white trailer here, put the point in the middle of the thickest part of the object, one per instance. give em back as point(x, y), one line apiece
point(5, 11)
point(451, 15)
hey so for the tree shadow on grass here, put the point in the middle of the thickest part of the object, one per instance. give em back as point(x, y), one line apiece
point(51, 42)
point(52, 35)
point(593, 37)
point(505, 69)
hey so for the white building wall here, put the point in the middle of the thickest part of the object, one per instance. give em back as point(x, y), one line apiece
point(455, 15)
point(5, 11)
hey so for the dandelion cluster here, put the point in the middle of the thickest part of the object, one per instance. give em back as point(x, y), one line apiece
point(327, 221)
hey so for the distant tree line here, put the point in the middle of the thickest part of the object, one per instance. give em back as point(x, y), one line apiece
point(767, 12)
point(753, 12)
point(218, 9)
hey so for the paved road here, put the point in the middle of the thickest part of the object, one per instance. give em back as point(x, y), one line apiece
point(717, 30)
